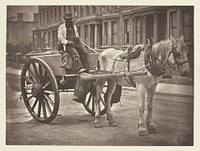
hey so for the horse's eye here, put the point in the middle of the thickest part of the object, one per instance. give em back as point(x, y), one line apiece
point(176, 54)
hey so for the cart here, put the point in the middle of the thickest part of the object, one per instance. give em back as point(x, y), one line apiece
point(42, 81)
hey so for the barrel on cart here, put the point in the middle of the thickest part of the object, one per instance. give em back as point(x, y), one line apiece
point(42, 81)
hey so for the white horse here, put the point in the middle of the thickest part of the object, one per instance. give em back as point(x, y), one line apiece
point(154, 60)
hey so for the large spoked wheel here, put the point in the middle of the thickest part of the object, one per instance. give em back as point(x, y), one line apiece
point(89, 101)
point(40, 90)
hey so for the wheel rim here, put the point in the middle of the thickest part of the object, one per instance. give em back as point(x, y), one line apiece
point(89, 102)
point(40, 90)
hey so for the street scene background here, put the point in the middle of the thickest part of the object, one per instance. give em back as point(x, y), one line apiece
point(173, 102)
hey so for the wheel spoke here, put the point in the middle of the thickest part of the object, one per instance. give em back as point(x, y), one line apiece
point(32, 108)
point(46, 84)
point(43, 108)
point(39, 109)
point(47, 105)
point(49, 99)
point(27, 99)
point(40, 73)
point(28, 79)
point(32, 75)
point(93, 103)
point(101, 99)
point(48, 92)
point(89, 99)
point(44, 77)
point(36, 72)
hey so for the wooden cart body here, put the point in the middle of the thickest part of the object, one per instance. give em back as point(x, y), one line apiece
point(58, 80)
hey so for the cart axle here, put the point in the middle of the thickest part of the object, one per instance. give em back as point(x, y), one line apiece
point(37, 90)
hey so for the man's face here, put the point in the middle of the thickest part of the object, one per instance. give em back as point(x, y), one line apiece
point(68, 20)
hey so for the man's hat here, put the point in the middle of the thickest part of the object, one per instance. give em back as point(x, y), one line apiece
point(68, 15)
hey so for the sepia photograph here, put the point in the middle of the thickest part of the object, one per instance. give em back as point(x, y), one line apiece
point(99, 75)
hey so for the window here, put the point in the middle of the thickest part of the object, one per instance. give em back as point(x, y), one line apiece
point(51, 15)
point(81, 11)
point(40, 19)
point(139, 31)
point(106, 33)
point(114, 8)
point(69, 9)
point(59, 12)
point(187, 25)
point(75, 11)
point(93, 10)
point(126, 31)
point(55, 14)
point(49, 40)
point(43, 17)
point(108, 8)
point(65, 10)
point(47, 17)
point(173, 23)
point(114, 30)
point(101, 9)
point(86, 33)
point(87, 11)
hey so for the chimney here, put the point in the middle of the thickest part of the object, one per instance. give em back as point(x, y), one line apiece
point(19, 16)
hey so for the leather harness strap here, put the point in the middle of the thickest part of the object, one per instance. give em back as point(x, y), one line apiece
point(129, 79)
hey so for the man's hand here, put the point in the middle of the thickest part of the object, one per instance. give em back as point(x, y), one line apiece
point(71, 43)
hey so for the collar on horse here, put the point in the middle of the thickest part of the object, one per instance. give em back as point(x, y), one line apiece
point(150, 60)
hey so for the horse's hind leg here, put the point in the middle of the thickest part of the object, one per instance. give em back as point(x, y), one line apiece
point(111, 89)
point(99, 88)
point(150, 125)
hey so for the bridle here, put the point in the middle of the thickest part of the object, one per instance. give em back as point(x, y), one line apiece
point(176, 55)
point(158, 70)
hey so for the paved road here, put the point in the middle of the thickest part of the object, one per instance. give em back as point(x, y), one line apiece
point(173, 116)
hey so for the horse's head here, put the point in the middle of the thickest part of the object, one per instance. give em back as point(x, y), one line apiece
point(180, 52)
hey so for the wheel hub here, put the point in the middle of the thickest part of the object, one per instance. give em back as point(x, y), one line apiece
point(37, 90)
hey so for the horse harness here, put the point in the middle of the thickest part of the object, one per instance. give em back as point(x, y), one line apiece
point(150, 60)
point(130, 56)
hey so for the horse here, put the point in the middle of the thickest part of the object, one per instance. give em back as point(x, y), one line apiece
point(153, 59)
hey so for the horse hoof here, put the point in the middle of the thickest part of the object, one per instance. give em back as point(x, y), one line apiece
point(152, 131)
point(143, 133)
point(113, 124)
point(97, 125)
point(152, 128)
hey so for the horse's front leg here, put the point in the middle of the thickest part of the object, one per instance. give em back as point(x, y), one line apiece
point(142, 110)
point(150, 125)
point(110, 91)
point(99, 88)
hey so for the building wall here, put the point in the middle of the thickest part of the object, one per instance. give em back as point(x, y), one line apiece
point(116, 26)
point(19, 32)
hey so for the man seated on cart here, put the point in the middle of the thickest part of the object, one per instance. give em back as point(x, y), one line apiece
point(69, 43)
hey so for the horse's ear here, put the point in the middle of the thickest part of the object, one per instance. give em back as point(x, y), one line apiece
point(181, 38)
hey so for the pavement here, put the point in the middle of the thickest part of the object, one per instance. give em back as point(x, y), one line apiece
point(176, 86)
